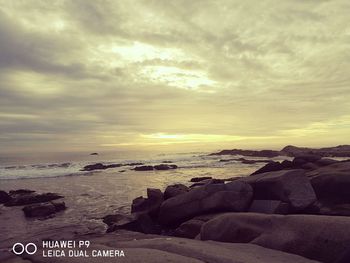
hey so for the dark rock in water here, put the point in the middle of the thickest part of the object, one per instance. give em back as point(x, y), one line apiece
point(167, 162)
point(174, 190)
point(43, 209)
point(332, 182)
point(149, 205)
point(20, 192)
point(189, 229)
point(270, 167)
point(99, 166)
point(132, 164)
point(93, 153)
point(144, 168)
point(198, 179)
point(290, 186)
point(262, 153)
point(27, 198)
point(4, 197)
point(136, 222)
point(233, 196)
point(269, 207)
point(245, 161)
point(322, 238)
point(286, 164)
point(165, 167)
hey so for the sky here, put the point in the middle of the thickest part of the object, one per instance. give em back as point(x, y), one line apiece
point(96, 75)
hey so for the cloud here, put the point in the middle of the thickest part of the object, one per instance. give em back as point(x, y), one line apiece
point(86, 74)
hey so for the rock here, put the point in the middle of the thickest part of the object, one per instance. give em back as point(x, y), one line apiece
point(93, 153)
point(335, 210)
point(135, 222)
point(269, 167)
point(325, 162)
point(100, 166)
point(233, 196)
point(14, 193)
point(207, 182)
point(213, 252)
point(332, 182)
point(269, 207)
point(149, 205)
point(144, 168)
point(165, 166)
point(198, 179)
point(262, 153)
point(309, 166)
point(323, 238)
point(338, 151)
point(30, 197)
point(189, 229)
point(4, 197)
point(43, 209)
point(174, 190)
point(290, 186)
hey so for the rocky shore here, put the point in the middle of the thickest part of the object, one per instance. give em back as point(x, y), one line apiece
point(288, 211)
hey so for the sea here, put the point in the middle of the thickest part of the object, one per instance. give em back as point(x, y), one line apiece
point(89, 196)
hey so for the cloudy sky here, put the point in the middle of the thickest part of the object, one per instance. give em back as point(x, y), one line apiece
point(97, 75)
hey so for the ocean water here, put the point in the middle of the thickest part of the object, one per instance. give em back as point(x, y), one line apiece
point(70, 164)
point(89, 196)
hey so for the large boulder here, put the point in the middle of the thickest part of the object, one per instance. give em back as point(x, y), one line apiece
point(138, 247)
point(174, 190)
point(4, 197)
point(214, 252)
point(26, 197)
point(332, 182)
point(269, 207)
point(149, 205)
point(269, 167)
point(135, 222)
point(43, 209)
point(323, 238)
point(290, 186)
point(233, 196)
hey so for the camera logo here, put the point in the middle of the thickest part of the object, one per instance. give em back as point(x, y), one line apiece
point(20, 248)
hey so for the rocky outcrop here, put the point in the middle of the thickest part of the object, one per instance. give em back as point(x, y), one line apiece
point(43, 209)
point(233, 196)
point(262, 153)
point(332, 182)
point(269, 207)
point(338, 151)
point(290, 186)
point(4, 197)
point(207, 182)
point(141, 222)
point(26, 197)
point(323, 238)
point(174, 190)
point(139, 247)
point(149, 205)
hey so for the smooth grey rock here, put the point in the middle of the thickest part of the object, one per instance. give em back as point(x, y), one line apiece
point(233, 196)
